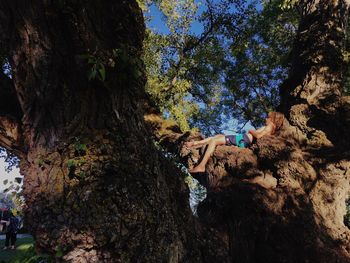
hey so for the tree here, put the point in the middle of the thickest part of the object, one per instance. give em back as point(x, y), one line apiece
point(230, 70)
point(311, 181)
point(285, 199)
point(98, 190)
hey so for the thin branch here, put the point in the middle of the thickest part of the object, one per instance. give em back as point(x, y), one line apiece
point(241, 128)
point(205, 34)
point(11, 136)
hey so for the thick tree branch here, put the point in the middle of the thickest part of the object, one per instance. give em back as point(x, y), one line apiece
point(166, 132)
point(311, 96)
point(10, 135)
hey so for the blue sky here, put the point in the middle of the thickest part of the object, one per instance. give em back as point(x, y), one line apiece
point(158, 24)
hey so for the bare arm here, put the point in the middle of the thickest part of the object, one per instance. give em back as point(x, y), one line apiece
point(261, 129)
point(265, 130)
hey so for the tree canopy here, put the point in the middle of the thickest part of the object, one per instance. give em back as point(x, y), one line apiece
point(75, 111)
point(219, 62)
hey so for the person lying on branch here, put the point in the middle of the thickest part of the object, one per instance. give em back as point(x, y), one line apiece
point(273, 123)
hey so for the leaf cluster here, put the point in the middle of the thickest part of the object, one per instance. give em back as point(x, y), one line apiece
point(259, 43)
point(166, 63)
point(229, 71)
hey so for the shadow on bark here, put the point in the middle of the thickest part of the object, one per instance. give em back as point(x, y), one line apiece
point(270, 202)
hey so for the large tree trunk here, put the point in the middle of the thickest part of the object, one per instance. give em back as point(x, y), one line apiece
point(288, 205)
point(312, 95)
point(283, 200)
point(96, 188)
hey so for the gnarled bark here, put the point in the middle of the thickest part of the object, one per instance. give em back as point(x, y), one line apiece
point(296, 214)
point(312, 94)
point(283, 200)
point(96, 188)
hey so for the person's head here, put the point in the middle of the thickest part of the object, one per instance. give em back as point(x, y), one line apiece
point(276, 118)
point(14, 212)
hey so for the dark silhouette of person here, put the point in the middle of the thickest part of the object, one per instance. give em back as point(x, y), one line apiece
point(11, 232)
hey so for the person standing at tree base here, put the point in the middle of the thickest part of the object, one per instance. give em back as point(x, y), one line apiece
point(11, 233)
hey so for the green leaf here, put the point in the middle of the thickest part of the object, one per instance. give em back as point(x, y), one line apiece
point(92, 74)
point(82, 174)
point(59, 253)
point(70, 164)
point(102, 72)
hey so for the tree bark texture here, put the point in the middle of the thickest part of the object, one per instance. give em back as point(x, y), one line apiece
point(96, 187)
point(288, 204)
point(312, 94)
point(283, 200)
point(98, 190)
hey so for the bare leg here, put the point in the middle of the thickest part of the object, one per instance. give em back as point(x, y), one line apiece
point(198, 144)
point(213, 142)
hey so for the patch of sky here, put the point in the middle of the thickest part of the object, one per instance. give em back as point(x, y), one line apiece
point(6, 68)
point(259, 5)
point(156, 21)
point(197, 192)
point(8, 178)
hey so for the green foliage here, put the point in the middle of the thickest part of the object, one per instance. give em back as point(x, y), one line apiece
point(13, 201)
point(82, 174)
point(60, 251)
point(80, 148)
point(230, 71)
point(71, 164)
point(347, 215)
point(260, 43)
point(143, 4)
point(40, 162)
point(288, 4)
point(12, 196)
point(97, 67)
point(24, 251)
point(166, 66)
point(127, 62)
point(122, 61)
point(30, 256)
